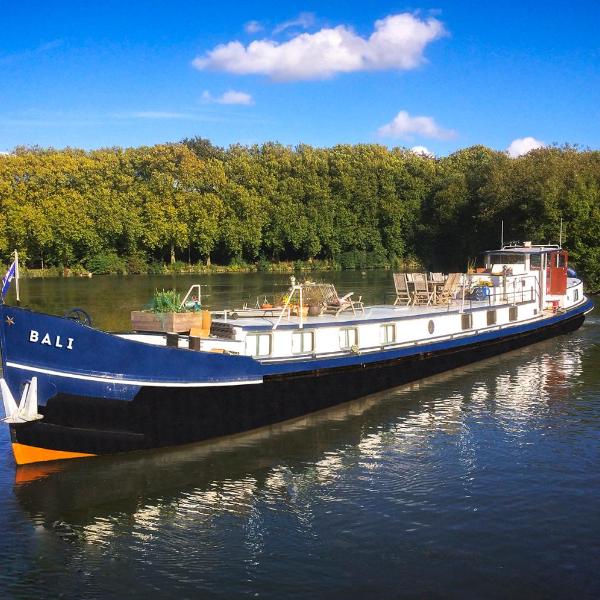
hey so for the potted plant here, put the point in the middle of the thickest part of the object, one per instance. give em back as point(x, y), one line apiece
point(166, 313)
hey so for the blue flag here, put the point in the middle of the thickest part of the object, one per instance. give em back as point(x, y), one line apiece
point(10, 275)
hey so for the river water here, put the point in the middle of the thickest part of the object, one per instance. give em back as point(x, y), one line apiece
point(482, 482)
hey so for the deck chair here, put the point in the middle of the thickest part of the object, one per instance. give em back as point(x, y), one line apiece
point(403, 295)
point(337, 305)
point(423, 295)
point(450, 288)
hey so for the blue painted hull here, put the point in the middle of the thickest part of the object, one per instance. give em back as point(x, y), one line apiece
point(101, 394)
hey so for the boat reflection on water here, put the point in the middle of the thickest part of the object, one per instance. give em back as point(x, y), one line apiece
point(294, 462)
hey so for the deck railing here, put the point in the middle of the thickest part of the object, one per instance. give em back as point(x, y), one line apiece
point(514, 289)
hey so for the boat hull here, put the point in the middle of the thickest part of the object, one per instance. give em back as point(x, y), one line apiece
point(76, 425)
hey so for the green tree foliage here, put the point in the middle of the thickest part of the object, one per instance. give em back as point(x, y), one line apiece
point(360, 206)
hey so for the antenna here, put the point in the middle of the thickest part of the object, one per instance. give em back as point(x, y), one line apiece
point(560, 238)
point(502, 234)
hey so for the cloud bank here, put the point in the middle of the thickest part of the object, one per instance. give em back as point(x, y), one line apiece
point(406, 127)
point(397, 42)
point(522, 146)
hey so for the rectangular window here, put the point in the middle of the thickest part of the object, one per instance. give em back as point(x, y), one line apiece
point(507, 259)
point(491, 317)
point(513, 313)
point(348, 338)
point(387, 333)
point(258, 344)
point(575, 295)
point(303, 342)
point(466, 321)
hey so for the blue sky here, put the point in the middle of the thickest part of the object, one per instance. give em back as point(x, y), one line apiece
point(442, 75)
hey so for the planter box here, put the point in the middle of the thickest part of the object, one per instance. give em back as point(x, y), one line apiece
point(142, 320)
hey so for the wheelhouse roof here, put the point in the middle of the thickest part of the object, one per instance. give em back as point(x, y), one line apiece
point(524, 250)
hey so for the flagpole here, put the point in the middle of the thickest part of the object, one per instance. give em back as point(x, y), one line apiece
point(17, 276)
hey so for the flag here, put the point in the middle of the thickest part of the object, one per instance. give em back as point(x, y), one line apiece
point(10, 275)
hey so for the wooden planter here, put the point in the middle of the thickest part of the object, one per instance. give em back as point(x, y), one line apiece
point(142, 320)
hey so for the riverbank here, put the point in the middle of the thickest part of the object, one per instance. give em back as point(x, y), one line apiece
point(122, 267)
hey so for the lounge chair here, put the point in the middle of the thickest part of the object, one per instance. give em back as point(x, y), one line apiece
point(325, 296)
point(337, 305)
point(403, 295)
point(447, 293)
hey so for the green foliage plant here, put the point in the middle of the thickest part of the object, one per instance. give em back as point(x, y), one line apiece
point(166, 301)
point(108, 263)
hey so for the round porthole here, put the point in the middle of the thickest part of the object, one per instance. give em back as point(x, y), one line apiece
point(431, 326)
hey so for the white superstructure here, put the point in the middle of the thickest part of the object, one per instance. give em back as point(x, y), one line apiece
point(518, 285)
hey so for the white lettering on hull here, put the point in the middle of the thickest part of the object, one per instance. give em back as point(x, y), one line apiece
point(34, 338)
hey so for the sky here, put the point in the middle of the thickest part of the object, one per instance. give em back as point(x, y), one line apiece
point(433, 76)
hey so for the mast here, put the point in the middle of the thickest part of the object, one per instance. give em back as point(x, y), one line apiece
point(560, 235)
point(17, 276)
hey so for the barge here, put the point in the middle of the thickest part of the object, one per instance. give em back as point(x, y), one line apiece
point(72, 391)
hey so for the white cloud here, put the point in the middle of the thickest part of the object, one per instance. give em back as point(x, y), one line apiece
point(406, 127)
point(398, 42)
point(522, 146)
point(303, 20)
point(252, 27)
point(422, 151)
point(229, 97)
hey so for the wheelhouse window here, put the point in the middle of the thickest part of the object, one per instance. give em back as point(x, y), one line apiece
point(387, 333)
point(303, 342)
point(491, 317)
point(507, 259)
point(348, 338)
point(535, 261)
point(258, 344)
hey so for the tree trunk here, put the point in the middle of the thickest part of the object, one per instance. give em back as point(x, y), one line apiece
point(172, 252)
point(208, 261)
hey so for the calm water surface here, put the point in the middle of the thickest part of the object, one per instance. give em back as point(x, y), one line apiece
point(481, 482)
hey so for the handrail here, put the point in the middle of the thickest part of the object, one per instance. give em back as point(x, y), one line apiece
point(504, 294)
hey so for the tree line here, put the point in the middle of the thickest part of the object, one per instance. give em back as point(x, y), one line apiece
point(349, 205)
